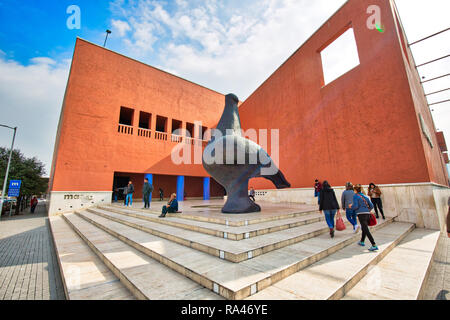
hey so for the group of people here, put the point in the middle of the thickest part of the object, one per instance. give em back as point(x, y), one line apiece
point(147, 189)
point(354, 201)
point(356, 205)
point(128, 192)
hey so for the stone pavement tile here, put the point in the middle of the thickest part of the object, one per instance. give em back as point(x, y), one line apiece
point(25, 252)
point(401, 273)
point(153, 279)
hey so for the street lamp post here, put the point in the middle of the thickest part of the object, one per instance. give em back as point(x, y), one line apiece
point(107, 34)
point(7, 168)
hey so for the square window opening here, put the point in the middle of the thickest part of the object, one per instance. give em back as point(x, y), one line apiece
point(126, 116)
point(145, 119)
point(190, 129)
point(202, 133)
point(339, 57)
point(161, 124)
point(176, 125)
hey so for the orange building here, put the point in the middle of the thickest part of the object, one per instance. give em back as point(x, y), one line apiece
point(117, 123)
point(371, 124)
point(365, 126)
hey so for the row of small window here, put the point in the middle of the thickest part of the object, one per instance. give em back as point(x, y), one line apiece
point(145, 120)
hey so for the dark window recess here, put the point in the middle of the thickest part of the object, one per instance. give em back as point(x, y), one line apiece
point(190, 130)
point(176, 125)
point(202, 133)
point(161, 124)
point(126, 116)
point(145, 119)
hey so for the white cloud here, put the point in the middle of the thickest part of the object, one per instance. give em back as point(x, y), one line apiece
point(228, 46)
point(31, 98)
point(121, 27)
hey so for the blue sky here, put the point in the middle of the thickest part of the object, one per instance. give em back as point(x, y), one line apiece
point(38, 27)
point(225, 45)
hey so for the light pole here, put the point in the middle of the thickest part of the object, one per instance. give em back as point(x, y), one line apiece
point(7, 167)
point(107, 33)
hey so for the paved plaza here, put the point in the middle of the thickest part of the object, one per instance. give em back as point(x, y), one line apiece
point(28, 266)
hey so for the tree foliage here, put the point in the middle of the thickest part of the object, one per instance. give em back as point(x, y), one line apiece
point(29, 170)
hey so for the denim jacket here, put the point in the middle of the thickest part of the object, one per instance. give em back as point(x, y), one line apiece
point(359, 205)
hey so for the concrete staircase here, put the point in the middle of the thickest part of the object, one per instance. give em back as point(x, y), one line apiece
point(284, 253)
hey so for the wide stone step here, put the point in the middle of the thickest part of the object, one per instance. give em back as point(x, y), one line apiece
point(336, 274)
point(233, 281)
point(233, 220)
point(234, 251)
point(84, 275)
point(142, 275)
point(220, 230)
point(403, 273)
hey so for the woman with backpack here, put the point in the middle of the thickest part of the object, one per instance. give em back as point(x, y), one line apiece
point(329, 205)
point(362, 206)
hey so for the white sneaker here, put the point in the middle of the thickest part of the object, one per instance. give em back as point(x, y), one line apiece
point(357, 228)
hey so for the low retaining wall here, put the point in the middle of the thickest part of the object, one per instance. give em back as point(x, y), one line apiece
point(424, 204)
point(69, 201)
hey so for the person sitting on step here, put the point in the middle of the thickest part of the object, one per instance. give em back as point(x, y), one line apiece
point(172, 206)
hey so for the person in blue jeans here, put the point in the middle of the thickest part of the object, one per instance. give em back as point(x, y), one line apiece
point(346, 200)
point(329, 205)
point(130, 191)
point(362, 206)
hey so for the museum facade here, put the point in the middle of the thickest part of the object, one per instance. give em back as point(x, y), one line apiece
point(121, 120)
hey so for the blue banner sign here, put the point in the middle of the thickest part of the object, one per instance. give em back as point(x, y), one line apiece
point(14, 188)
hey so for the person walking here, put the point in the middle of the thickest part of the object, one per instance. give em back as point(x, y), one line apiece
point(146, 192)
point(329, 205)
point(129, 197)
point(317, 188)
point(171, 207)
point(252, 194)
point(375, 196)
point(161, 194)
point(346, 201)
point(362, 206)
point(34, 203)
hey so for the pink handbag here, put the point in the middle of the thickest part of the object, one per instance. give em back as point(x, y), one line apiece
point(340, 225)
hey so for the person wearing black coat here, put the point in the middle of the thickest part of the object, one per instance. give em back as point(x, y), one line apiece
point(328, 205)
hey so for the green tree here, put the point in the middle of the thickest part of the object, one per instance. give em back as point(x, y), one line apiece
point(29, 170)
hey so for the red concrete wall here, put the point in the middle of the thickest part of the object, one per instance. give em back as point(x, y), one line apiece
point(362, 127)
point(89, 149)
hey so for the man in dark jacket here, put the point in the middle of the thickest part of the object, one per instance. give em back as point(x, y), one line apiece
point(329, 205)
point(146, 192)
point(130, 191)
